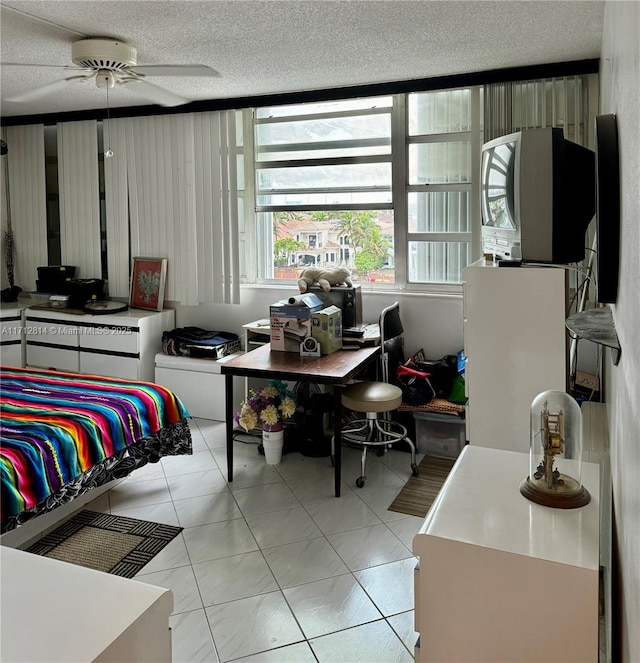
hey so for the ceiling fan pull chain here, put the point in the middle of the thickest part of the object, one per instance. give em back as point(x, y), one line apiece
point(108, 152)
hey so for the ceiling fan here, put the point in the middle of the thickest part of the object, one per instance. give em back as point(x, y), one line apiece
point(111, 62)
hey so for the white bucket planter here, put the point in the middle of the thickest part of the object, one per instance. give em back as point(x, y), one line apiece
point(272, 441)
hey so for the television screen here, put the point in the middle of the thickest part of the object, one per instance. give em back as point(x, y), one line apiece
point(538, 196)
point(498, 164)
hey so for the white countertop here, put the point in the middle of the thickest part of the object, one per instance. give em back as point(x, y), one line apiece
point(480, 504)
point(130, 317)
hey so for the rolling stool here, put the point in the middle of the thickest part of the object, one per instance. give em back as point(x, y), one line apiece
point(378, 398)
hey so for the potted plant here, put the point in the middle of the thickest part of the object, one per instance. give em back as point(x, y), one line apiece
point(267, 409)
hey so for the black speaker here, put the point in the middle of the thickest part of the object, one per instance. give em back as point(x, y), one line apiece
point(347, 298)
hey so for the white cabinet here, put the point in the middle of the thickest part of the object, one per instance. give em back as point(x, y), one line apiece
point(104, 617)
point(11, 335)
point(123, 345)
point(515, 340)
point(501, 578)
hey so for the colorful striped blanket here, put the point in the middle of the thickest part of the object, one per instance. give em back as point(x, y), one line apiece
point(55, 427)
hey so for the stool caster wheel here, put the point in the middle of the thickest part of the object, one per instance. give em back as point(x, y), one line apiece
point(381, 452)
point(414, 470)
point(360, 482)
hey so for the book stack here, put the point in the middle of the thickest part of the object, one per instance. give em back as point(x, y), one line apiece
point(360, 336)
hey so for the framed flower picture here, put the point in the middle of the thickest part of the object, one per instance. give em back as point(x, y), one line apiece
point(148, 278)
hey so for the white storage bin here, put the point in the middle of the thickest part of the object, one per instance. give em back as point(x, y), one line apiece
point(439, 434)
point(198, 383)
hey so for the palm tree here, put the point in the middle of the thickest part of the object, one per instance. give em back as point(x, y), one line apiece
point(363, 234)
point(283, 248)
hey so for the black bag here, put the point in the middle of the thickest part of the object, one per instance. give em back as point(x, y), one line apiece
point(415, 384)
point(200, 343)
point(443, 373)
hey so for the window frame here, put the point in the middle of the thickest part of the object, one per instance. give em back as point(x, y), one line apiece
point(400, 189)
point(474, 137)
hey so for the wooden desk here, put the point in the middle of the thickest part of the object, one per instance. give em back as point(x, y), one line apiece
point(336, 369)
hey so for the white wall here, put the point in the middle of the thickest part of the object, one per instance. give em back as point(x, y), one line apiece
point(431, 322)
point(620, 94)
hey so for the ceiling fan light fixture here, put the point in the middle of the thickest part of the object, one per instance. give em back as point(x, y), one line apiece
point(105, 78)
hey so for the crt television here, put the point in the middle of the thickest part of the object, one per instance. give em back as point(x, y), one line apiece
point(538, 197)
point(347, 298)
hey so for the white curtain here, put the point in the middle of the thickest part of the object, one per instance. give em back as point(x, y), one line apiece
point(182, 195)
point(79, 197)
point(217, 207)
point(161, 206)
point(27, 201)
point(117, 208)
point(554, 102)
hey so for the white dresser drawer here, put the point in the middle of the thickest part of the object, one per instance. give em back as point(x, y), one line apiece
point(93, 363)
point(110, 338)
point(11, 354)
point(11, 340)
point(11, 329)
point(59, 359)
point(52, 333)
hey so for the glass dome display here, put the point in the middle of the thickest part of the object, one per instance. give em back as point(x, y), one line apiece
point(555, 452)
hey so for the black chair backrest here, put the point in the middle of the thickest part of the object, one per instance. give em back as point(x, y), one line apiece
point(390, 323)
point(392, 341)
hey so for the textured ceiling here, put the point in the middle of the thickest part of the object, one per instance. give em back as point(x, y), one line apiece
point(273, 46)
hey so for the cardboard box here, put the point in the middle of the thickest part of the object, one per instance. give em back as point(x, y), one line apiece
point(291, 321)
point(326, 328)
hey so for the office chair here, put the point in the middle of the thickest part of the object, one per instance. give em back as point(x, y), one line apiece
point(378, 399)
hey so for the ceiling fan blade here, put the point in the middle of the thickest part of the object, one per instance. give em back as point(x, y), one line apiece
point(154, 93)
point(174, 70)
point(35, 64)
point(45, 90)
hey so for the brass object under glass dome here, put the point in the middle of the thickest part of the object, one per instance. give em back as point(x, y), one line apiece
point(555, 453)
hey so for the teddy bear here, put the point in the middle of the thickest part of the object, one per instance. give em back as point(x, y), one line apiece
point(325, 278)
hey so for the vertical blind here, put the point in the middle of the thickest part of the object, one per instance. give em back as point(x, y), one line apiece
point(555, 102)
point(171, 191)
point(28, 204)
point(117, 209)
point(80, 239)
point(161, 209)
point(216, 190)
point(183, 200)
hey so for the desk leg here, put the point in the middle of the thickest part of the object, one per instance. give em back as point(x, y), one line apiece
point(337, 437)
point(228, 395)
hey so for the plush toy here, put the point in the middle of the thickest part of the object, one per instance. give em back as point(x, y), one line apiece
point(325, 278)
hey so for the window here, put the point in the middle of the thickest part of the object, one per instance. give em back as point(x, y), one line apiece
point(389, 186)
point(444, 128)
point(326, 178)
point(324, 187)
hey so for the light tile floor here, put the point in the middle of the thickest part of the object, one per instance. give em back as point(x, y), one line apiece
point(272, 568)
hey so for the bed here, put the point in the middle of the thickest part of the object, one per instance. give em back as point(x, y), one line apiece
point(63, 434)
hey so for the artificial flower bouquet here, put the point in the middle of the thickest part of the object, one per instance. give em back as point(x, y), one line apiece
point(267, 408)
